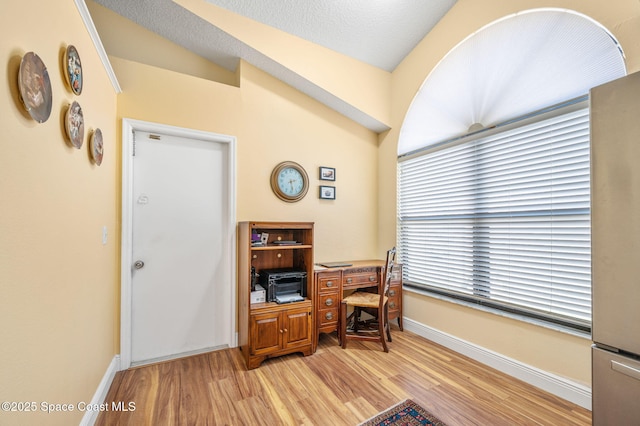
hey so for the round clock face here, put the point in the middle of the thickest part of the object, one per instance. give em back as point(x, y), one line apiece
point(289, 181)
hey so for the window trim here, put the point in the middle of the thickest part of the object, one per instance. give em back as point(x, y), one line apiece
point(574, 331)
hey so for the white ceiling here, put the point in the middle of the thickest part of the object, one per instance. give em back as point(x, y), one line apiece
point(378, 32)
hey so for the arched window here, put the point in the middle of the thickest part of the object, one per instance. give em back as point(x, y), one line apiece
point(493, 195)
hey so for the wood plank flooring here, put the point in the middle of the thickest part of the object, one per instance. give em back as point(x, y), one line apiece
point(332, 387)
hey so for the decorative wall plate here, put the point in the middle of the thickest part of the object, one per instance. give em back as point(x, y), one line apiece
point(96, 146)
point(74, 125)
point(73, 68)
point(35, 87)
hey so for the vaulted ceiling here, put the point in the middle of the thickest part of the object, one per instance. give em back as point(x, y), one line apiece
point(375, 32)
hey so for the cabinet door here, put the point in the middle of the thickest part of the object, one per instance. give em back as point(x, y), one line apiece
point(297, 327)
point(265, 333)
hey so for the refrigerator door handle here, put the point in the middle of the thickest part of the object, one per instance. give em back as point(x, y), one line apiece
point(625, 369)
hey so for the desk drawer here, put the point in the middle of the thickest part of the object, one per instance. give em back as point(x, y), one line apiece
point(361, 278)
point(328, 301)
point(328, 317)
point(328, 282)
point(328, 305)
point(396, 275)
point(395, 298)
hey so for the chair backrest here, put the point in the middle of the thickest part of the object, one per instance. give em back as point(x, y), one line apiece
point(388, 273)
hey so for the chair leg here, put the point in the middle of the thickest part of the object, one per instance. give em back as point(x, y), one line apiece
point(343, 324)
point(387, 326)
point(339, 327)
point(381, 327)
point(356, 318)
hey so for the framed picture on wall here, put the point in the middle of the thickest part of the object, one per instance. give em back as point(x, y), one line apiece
point(327, 173)
point(328, 192)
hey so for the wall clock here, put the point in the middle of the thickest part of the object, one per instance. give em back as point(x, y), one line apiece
point(289, 181)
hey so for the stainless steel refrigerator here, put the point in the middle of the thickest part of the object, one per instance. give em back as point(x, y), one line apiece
point(615, 239)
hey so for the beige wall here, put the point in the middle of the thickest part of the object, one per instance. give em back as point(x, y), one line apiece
point(272, 123)
point(133, 42)
point(570, 356)
point(360, 85)
point(58, 283)
point(60, 286)
point(281, 124)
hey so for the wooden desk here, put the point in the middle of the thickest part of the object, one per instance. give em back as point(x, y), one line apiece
point(329, 285)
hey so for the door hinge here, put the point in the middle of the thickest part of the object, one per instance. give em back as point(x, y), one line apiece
point(133, 144)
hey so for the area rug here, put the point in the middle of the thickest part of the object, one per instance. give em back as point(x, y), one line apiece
point(406, 413)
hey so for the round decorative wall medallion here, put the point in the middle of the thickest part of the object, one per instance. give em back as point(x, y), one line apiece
point(73, 68)
point(35, 87)
point(96, 147)
point(74, 125)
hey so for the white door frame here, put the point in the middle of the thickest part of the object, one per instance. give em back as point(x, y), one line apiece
point(129, 126)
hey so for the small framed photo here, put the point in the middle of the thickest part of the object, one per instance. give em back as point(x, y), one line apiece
point(328, 192)
point(327, 173)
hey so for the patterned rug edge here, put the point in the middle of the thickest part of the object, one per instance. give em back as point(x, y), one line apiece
point(379, 419)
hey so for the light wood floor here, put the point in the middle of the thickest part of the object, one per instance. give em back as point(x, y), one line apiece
point(332, 387)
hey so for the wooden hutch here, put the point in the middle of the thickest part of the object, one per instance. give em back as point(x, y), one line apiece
point(267, 329)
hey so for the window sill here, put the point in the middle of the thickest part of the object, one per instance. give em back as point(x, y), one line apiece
point(523, 318)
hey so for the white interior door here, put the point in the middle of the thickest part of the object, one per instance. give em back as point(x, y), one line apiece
point(180, 284)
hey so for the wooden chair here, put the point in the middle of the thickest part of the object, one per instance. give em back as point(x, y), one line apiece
point(374, 303)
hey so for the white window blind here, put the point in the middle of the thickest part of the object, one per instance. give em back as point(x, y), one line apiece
point(504, 219)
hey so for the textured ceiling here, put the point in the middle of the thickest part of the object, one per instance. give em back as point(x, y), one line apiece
point(378, 32)
point(171, 21)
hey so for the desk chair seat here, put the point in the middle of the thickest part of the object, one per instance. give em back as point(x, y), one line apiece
point(353, 327)
point(363, 299)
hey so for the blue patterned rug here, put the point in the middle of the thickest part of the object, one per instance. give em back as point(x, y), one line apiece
point(406, 413)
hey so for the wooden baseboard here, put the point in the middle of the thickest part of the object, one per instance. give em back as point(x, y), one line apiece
point(100, 395)
point(559, 386)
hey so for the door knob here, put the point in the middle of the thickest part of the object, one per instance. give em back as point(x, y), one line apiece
point(139, 264)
